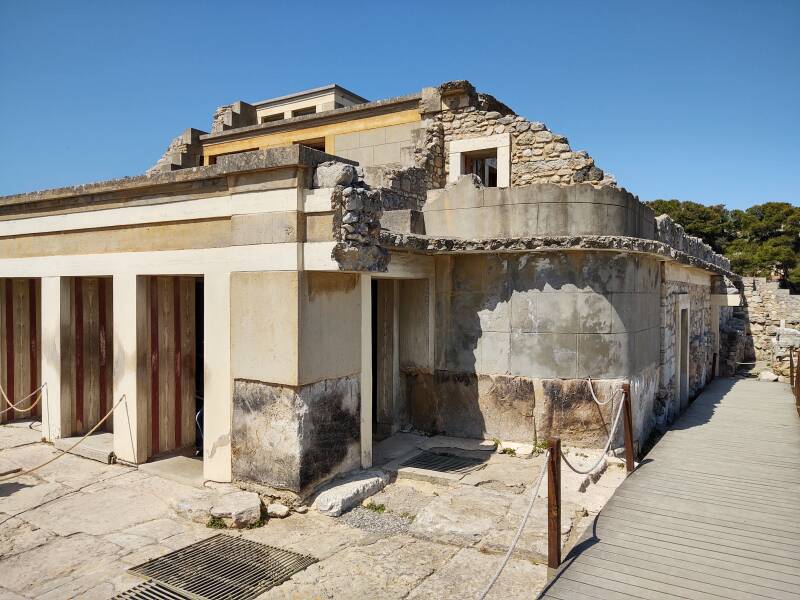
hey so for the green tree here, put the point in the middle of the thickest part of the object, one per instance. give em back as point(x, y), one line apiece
point(759, 241)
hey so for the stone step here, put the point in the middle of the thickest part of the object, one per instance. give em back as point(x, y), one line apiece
point(98, 446)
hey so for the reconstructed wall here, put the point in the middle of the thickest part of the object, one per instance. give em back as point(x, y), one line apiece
point(466, 210)
point(517, 335)
point(20, 340)
point(296, 363)
point(381, 146)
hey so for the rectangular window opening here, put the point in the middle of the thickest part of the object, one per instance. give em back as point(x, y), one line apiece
point(316, 143)
point(304, 111)
point(272, 118)
point(484, 165)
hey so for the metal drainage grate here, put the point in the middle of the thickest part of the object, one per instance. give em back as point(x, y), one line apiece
point(443, 463)
point(225, 567)
point(151, 590)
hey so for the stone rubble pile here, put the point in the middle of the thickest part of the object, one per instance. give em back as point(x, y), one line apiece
point(357, 210)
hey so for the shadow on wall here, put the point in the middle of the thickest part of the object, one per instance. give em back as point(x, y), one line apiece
point(518, 336)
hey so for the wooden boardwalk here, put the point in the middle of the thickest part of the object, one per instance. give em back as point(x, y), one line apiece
point(712, 512)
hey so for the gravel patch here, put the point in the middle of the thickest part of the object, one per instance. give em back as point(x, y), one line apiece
point(375, 522)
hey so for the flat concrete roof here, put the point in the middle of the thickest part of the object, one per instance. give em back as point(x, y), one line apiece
point(312, 92)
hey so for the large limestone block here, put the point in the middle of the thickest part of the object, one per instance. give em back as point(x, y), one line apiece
point(238, 509)
point(330, 174)
point(347, 492)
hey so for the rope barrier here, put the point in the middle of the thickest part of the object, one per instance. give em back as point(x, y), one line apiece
point(68, 450)
point(605, 449)
point(21, 400)
point(611, 399)
point(519, 529)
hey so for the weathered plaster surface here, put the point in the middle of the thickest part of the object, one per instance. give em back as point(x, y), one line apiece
point(293, 438)
point(519, 334)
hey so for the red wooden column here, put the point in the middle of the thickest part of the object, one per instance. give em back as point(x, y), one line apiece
point(33, 346)
point(103, 346)
point(154, 368)
point(177, 363)
point(9, 322)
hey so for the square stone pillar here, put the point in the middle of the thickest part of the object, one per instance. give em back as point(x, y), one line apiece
point(130, 417)
point(55, 416)
point(217, 380)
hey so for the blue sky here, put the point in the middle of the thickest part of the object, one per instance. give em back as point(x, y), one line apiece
point(691, 100)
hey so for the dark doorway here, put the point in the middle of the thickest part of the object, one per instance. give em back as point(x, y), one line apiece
point(199, 371)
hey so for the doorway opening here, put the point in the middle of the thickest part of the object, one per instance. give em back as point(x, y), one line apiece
point(171, 363)
point(383, 334)
point(683, 364)
point(20, 340)
point(87, 353)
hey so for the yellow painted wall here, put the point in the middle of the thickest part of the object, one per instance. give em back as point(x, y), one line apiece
point(327, 131)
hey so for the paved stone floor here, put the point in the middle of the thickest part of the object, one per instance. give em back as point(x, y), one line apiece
point(75, 527)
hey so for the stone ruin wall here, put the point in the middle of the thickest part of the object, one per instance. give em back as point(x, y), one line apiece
point(455, 111)
point(702, 341)
point(767, 306)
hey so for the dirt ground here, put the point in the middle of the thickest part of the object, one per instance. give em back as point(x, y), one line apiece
point(74, 528)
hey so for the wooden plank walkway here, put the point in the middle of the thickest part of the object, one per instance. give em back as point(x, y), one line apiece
point(712, 512)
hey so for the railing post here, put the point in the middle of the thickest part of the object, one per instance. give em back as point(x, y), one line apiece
point(629, 464)
point(554, 504)
point(796, 386)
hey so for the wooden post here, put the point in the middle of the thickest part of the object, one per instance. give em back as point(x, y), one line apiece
point(628, 418)
point(554, 504)
point(796, 385)
point(791, 367)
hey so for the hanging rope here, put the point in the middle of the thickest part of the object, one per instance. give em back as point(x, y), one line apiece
point(513, 545)
point(605, 449)
point(21, 400)
point(68, 450)
point(594, 397)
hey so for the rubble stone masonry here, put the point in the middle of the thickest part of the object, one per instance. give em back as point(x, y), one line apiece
point(767, 306)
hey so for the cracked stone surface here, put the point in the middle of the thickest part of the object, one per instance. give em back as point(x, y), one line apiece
point(73, 529)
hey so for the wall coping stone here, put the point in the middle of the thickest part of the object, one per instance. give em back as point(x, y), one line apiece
point(441, 245)
point(295, 155)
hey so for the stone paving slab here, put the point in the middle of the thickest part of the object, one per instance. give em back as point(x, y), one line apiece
point(75, 527)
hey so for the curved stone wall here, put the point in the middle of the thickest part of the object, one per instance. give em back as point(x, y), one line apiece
point(519, 335)
point(464, 210)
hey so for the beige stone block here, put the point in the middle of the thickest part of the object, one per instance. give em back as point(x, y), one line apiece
point(400, 133)
point(265, 326)
point(319, 227)
point(345, 141)
point(263, 180)
point(372, 137)
point(385, 154)
point(266, 228)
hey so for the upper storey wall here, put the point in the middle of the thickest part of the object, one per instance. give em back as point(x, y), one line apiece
point(467, 211)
